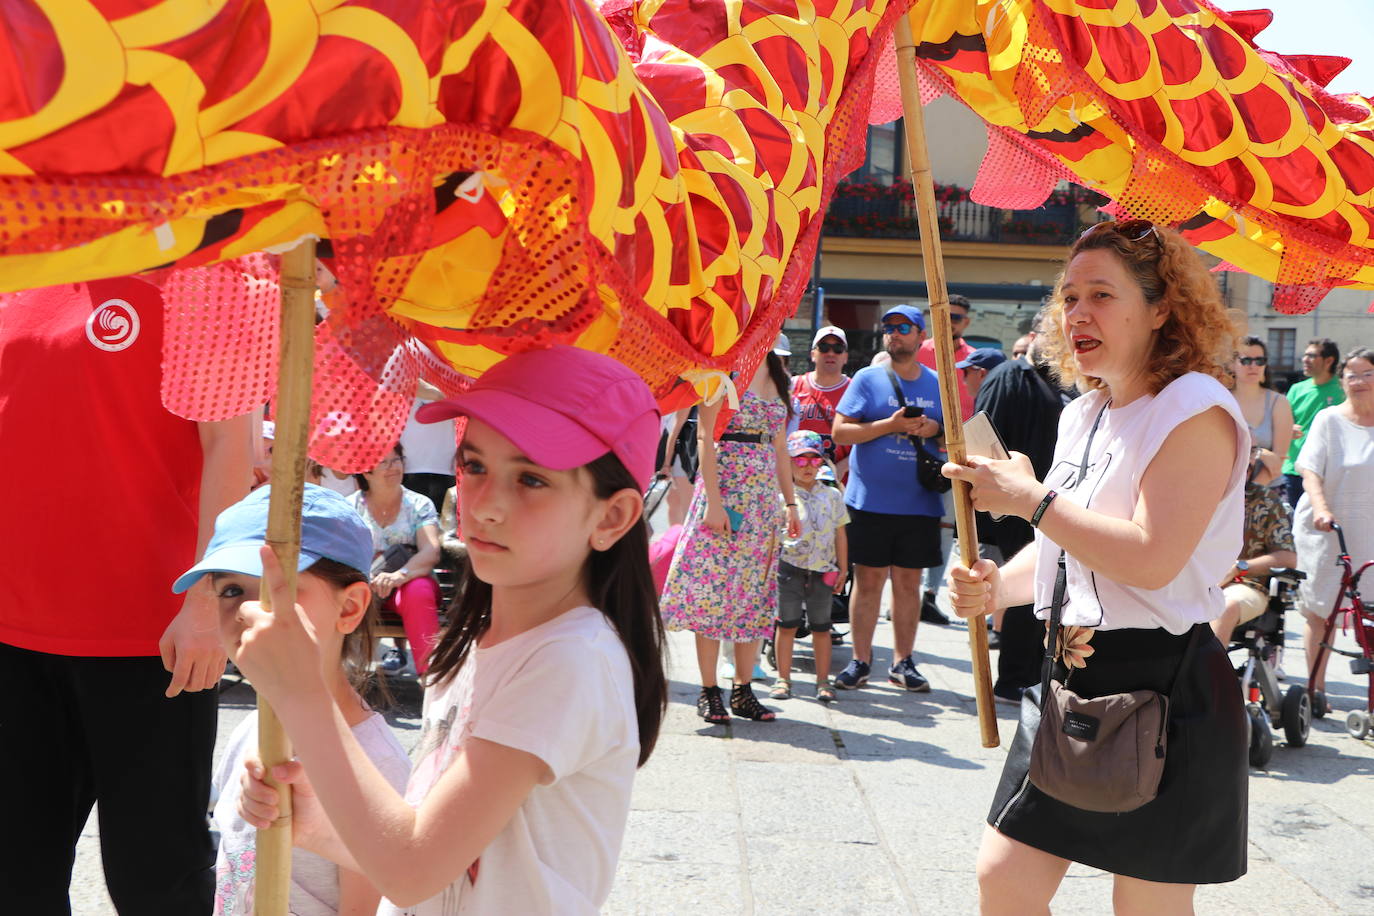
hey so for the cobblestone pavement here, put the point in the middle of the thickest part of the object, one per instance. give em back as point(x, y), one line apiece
point(876, 804)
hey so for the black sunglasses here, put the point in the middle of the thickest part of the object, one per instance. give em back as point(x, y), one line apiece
point(831, 348)
point(1253, 360)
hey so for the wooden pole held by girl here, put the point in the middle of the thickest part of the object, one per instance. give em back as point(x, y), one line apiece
point(295, 369)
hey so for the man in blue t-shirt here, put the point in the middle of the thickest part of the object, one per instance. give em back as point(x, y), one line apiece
point(894, 527)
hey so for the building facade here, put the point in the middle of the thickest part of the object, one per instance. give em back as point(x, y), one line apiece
point(1005, 261)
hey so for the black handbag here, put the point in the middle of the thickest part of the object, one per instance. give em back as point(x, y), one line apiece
point(393, 558)
point(927, 465)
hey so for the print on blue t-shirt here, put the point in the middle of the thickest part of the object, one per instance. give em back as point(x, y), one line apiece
point(882, 473)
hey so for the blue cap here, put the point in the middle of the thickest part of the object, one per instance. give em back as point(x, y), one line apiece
point(330, 529)
point(983, 358)
point(909, 312)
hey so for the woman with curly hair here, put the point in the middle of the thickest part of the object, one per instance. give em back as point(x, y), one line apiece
point(1138, 520)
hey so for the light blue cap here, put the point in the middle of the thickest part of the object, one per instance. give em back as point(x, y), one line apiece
point(330, 529)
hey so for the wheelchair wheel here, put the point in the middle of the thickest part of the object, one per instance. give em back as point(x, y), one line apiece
point(770, 653)
point(1296, 716)
point(1357, 724)
point(1261, 740)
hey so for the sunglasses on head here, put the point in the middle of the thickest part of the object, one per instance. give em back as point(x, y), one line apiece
point(808, 461)
point(831, 347)
point(1253, 360)
point(1132, 230)
point(904, 328)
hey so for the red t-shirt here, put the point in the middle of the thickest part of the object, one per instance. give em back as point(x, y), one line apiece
point(99, 514)
point(814, 408)
point(961, 351)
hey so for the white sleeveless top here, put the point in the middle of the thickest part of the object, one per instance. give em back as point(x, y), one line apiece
point(1126, 441)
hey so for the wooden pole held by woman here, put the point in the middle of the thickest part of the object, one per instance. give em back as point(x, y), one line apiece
point(923, 186)
point(296, 365)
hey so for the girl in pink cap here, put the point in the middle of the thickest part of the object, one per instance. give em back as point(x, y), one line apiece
point(544, 693)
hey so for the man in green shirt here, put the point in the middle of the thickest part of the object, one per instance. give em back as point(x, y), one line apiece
point(1320, 390)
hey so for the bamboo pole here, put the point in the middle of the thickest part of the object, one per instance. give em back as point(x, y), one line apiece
point(923, 185)
point(295, 368)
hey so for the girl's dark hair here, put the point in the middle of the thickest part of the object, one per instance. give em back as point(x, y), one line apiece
point(778, 372)
point(358, 646)
point(619, 583)
point(362, 478)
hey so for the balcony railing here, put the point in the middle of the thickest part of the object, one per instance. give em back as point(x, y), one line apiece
point(887, 211)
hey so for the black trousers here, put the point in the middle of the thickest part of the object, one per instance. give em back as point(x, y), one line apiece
point(75, 731)
point(432, 485)
point(1023, 637)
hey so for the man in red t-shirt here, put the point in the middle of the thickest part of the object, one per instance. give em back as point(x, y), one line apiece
point(959, 311)
point(815, 394)
point(110, 498)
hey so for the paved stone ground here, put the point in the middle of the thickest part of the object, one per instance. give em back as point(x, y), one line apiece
point(876, 805)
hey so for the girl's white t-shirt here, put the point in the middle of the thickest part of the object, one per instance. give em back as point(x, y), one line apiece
point(1127, 440)
point(563, 692)
point(314, 881)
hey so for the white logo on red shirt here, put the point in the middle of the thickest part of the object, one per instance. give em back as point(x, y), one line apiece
point(113, 326)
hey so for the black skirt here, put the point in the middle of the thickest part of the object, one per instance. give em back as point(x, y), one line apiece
point(1194, 831)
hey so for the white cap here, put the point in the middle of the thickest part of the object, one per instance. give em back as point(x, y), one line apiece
point(782, 346)
point(829, 331)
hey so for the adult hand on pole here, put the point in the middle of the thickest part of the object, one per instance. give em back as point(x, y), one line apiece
point(1001, 487)
point(190, 646)
point(277, 649)
point(973, 591)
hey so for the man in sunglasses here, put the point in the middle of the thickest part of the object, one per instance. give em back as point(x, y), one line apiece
point(817, 393)
point(959, 318)
point(1320, 390)
point(894, 527)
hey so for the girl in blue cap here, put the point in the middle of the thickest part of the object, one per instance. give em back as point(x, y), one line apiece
point(335, 597)
point(546, 690)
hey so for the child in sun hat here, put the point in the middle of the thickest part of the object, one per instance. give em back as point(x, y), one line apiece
point(334, 595)
point(546, 690)
point(813, 566)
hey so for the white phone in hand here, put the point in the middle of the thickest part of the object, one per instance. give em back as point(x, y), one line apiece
point(981, 438)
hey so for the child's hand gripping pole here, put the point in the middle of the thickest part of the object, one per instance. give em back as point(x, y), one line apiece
point(923, 184)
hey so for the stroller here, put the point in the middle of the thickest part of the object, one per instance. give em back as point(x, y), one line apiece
point(1266, 704)
point(1359, 616)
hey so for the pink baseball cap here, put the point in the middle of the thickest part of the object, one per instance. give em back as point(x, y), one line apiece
point(563, 407)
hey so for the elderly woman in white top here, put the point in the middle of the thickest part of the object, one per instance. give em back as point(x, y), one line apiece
point(1145, 499)
point(1337, 467)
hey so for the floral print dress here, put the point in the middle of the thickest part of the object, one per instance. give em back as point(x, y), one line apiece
point(725, 586)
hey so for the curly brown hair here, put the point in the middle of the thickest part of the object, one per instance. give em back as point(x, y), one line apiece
point(1198, 334)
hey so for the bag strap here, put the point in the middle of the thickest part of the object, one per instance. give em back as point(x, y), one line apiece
point(896, 386)
point(1061, 576)
point(901, 402)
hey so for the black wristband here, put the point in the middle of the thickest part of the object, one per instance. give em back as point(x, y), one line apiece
point(1040, 509)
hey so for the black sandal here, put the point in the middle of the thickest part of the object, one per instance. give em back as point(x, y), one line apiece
point(711, 707)
point(744, 704)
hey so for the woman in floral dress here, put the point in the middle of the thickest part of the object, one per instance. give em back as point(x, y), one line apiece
point(723, 582)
